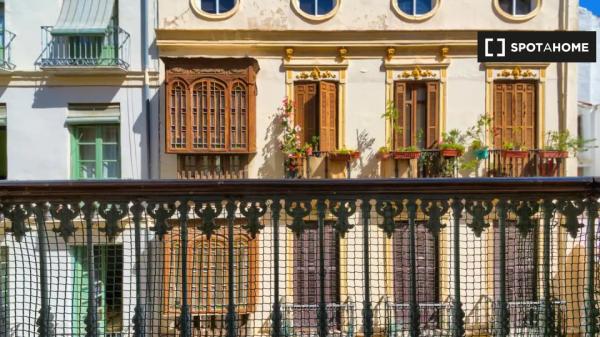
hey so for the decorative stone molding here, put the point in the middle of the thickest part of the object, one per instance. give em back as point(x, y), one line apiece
point(289, 52)
point(444, 53)
point(342, 53)
point(417, 73)
point(390, 53)
point(316, 74)
point(517, 73)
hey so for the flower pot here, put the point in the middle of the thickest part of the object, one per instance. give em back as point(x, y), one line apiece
point(384, 155)
point(482, 153)
point(517, 154)
point(450, 153)
point(407, 155)
point(552, 154)
point(344, 156)
point(309, 151)
point(316, 154)
point(355, 155)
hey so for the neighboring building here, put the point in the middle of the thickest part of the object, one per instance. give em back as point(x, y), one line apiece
point(73, 90)
point(589, 99)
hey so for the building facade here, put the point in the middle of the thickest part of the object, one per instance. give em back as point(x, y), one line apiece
point(73, 83)
point(589, 98)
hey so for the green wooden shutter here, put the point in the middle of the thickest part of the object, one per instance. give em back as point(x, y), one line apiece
point(80, 288)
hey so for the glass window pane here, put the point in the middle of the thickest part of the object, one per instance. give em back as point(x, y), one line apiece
point(406, 6)
point(87, 152)
point(325, 6)
point(507, 6)
point(226, 5)
point(209, 6)
point(424, 6)
point(110, 169)
point(110, 134)
point(87, 170)
point(524, 7)
point(308, 6)
point(110, 152)
point(87, 135)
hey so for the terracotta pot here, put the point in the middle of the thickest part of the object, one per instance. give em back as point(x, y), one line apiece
point(518, 154)
point(344, 156)
point(451, 153)
point(309, 151)
point(550, 154)
point(407, 155)
point(384, 155)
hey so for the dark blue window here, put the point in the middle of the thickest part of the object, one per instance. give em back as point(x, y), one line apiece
point(317, 7)
point(416, 7)
point(517, 7)
point(217, 6)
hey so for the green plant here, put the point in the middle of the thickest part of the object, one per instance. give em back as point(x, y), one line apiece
point(510, 146)
point(414, 148)
point(563, 141)
point(453, 140)
point(314, 142)
point(384, 149)
point(345, 151)
point(477, 132)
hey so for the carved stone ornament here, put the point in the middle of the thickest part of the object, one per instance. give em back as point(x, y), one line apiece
point(316, 74)
point(417, 73)
point(517, 73)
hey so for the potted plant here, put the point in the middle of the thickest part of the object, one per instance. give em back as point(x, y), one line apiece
point(344, 154)
point(514, 150)
point(410, 152)
point(384, 153)
point(560, 143)
point(477, 135)
point(452, 144)
point(290, 142)
point(312, 148)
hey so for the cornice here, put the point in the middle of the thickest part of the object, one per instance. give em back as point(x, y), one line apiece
point(37, 78)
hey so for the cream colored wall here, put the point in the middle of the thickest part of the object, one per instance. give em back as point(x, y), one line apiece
point(358, 15)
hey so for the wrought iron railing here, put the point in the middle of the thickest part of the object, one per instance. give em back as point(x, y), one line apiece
point(219, 258)
point(5, 50)
point(531, 164)
point(110, 49)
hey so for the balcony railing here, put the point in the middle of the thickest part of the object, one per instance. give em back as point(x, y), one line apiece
point(532, 165)
point(110, 50)
point(283, 258)
point(5, 50)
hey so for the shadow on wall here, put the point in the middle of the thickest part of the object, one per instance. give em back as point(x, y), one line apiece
point(368, 163)
point(48, 96)
point(572, 288)
point(272, 165)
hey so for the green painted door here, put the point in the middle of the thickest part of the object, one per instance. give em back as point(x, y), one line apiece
point(108, 288)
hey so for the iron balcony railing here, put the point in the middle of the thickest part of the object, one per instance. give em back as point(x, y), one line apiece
point(531, 164)
point(110, 50)
point(512, 257)
point(5, 50)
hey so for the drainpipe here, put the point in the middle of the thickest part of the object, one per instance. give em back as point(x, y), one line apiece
point(146, 90)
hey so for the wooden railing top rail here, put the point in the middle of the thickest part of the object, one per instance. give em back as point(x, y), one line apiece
point(128, 190)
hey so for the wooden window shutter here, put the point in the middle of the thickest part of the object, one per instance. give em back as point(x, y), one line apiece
point(433, 115)
point(238, 117)
point(177, 116)
point(328, 116)
point(515, 114)
point(305, 98)
point(399, 127)
point(526, 113)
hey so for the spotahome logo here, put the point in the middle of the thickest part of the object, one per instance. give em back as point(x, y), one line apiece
point(547, 46)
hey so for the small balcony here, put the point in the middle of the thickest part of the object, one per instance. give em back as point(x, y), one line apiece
point(530, 163)
point(85, 52)
point(5, 51)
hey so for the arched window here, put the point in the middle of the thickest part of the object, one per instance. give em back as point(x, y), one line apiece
point(317, 8)
point(416, 7)
point(208, 115)
point(178, 115)
point(217, 6)
point(518, 7)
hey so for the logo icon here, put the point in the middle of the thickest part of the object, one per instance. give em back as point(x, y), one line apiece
point(500, 41)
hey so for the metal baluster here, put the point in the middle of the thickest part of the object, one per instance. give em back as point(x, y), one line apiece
point(91, 319)
point(184, 320)
point(367, 311)
point(322, 313)
point(502, 325)
point(549, 327)
point(44, 321)
point(459, 314)
point(415, 318)
point(591, 311)
point(276, 318)
point(231, 315)
point(137, 209)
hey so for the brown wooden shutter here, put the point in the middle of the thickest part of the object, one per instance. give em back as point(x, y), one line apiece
point(433, 115)
point(177, 116)
point(400, 129)
point(238, 118)
point(328, 116)
point(499, 119)
point(515, 114)
point(525, 114)
point(306, 104)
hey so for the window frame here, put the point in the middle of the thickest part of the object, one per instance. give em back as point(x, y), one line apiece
point(197, 8)
point(430, 140)
point(195, 235)
point(98, 146)
point(537, 5)
point(189, 73)
point(413, 16)
point(315, 17)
